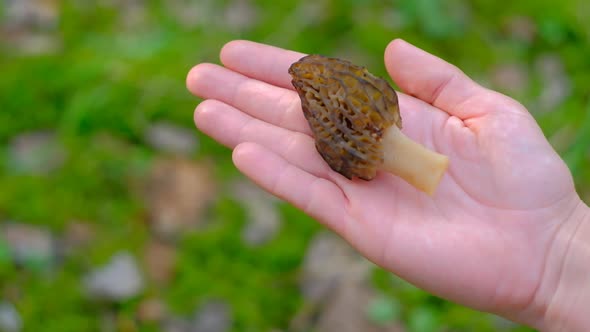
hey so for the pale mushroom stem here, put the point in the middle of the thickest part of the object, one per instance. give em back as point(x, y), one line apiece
point(417, 165)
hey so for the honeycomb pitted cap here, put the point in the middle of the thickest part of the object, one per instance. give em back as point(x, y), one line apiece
point(348, 110)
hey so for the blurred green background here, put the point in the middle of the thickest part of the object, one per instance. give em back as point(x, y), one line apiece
point(117, 215)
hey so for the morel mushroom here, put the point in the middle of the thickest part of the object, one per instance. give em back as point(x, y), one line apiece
point(355, 119)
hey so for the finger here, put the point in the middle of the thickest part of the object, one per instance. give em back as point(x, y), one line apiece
point(432, 79)
point(259, 61)
point(231, 127)
point(319, 198)
point(263, 62)
point(266, 102)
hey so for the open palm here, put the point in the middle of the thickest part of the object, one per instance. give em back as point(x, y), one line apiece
point(481, 240)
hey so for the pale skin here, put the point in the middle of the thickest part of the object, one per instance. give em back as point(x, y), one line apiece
point(505, 231)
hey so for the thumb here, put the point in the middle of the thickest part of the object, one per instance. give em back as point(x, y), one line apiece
point(429, 78)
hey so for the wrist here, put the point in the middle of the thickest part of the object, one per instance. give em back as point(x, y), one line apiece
point(565, 289)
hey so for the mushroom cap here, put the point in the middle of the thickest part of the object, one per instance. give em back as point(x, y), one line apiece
point(348, 110)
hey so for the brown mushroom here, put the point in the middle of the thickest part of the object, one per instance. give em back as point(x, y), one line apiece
point(355, 119)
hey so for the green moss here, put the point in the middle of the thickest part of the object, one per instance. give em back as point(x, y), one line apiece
point(259, 283)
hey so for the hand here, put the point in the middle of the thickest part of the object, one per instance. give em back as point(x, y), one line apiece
point(482, 240)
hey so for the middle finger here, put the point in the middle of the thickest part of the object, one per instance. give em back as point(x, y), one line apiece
point(266, 102)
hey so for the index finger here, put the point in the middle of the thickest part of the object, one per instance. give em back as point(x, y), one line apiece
point(259, 61)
